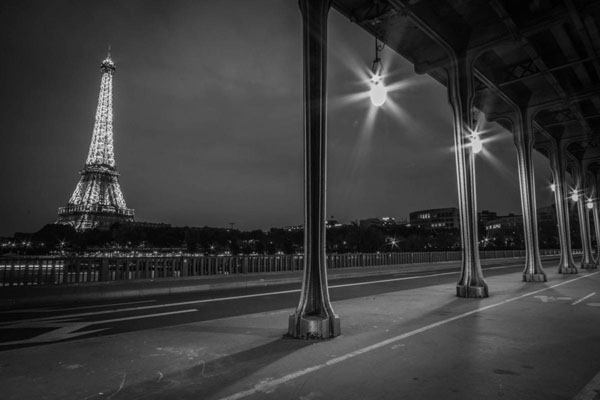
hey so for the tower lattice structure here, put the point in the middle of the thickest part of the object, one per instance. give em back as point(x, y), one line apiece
point(98, 201)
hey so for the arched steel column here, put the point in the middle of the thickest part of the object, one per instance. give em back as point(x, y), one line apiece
point(584, 220)
point(524, 139)
point(558, 166)
point(595, 213)
point(460, 91)
point(460, 94)
point(314, 317)
point(593, 183)
point(591, 190)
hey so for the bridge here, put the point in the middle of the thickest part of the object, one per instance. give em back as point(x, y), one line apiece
point(406, 335)
point(468, 329)
point(531, 66)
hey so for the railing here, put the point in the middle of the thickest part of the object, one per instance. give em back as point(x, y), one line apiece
point(58, 271)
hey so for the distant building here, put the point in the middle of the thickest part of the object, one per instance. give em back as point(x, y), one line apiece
point(293, 228)
point(381, 222)
point(437, 218)
point(485, 216)
point(142, 224)
point(332, 223)
point(511, 221)
point(402, 222)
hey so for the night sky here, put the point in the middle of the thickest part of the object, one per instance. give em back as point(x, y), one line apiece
point(208, 117)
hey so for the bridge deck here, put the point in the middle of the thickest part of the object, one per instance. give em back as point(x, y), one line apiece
point(415, 340)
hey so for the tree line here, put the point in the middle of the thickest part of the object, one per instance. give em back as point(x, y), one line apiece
point(351, 238)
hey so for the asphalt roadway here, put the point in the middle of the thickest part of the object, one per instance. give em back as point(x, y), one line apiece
point(404, 336)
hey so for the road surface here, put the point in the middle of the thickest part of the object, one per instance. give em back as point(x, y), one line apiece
point(404, 335)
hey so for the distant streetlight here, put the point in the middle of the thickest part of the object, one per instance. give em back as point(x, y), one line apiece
point(553, 187)
point(378, 92)
point(575, 197)
point(590, 204)
point(392, 241)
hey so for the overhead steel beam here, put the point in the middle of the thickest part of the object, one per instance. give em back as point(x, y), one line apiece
point(553, 69)
point(582, 32)
point(535, 56)
point(586, 117)
point(504, 40)
point(585, 94)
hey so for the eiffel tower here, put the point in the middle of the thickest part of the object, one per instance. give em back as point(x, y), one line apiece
point(97, 201)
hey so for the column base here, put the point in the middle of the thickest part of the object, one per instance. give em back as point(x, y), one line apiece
point(567, 270)
point(471, 291)
point(535, 278)
point(589, 265)
point(314, 327)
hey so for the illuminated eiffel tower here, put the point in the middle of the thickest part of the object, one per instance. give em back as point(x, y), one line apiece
point(97, 201)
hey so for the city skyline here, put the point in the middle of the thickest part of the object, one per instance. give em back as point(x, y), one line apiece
point(208, 118)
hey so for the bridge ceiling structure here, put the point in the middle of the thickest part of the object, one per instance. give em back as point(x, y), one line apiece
point(541, 55)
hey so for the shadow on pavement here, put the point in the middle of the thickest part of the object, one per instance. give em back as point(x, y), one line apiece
point(207, 379)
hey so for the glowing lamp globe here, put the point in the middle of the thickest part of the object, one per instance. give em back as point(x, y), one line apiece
point(378, 92)
point(476, 144)
point(553, 187)
point(590, 205)
point(575, 197)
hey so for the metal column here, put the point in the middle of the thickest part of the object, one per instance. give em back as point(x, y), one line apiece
point(558, 165)
point(314, 317)
point(587, 261)
point(524, 139)
point(460, 91)
point(596, 213)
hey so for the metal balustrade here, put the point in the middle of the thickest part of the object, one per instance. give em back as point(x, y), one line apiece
point(59, 271)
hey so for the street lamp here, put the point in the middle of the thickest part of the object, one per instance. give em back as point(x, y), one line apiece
point(392, 241)
point(378, 92)
point(476, 143)
point(590, 204)
point(553, 187)
point(575, 196)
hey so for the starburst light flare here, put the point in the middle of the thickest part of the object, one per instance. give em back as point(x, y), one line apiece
point(378, 92)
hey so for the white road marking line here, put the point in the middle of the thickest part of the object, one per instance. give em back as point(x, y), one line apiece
point(406, 278)
point(245, 296)
point(184, 303)
point(106, 321)
point(410, 277)
point(49, 309)
point(546, 299)
point(269, 385)
point(590, 391)
point(68, 330)
point(25, 310)
point(101, 305)
point(583, 298)
point(105, 305)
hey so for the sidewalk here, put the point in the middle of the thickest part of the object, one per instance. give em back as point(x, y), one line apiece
point(32, 296)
